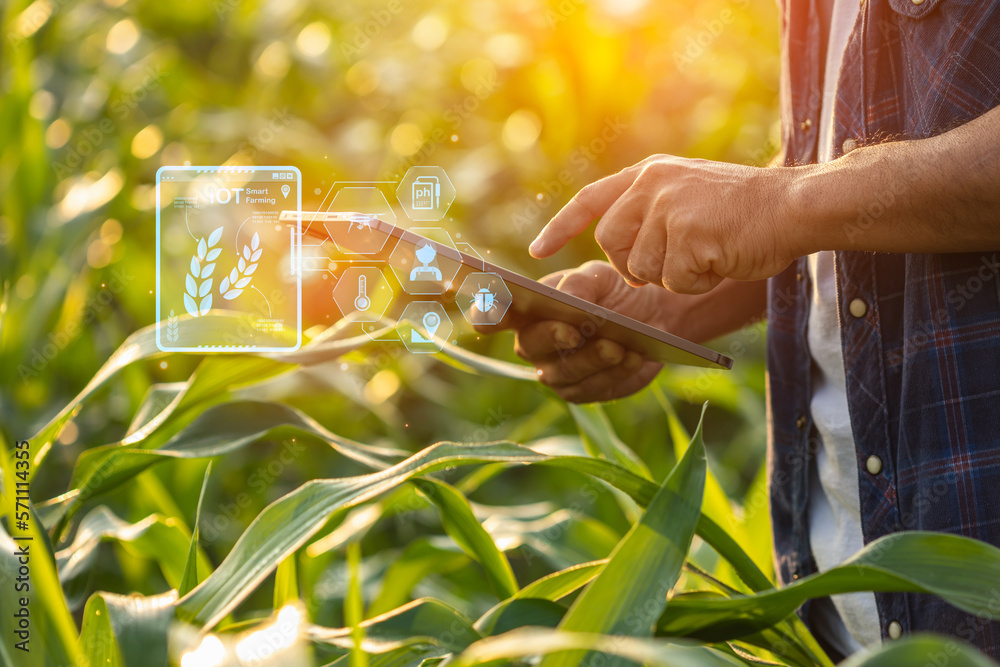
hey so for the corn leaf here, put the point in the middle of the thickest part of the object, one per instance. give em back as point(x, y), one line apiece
point(631, 591)
point(949, 566)
point(468, 533)
point(190, 578)
point(921, 650)
point(526, 642)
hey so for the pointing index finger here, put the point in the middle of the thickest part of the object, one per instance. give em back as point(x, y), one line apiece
point(589, 203)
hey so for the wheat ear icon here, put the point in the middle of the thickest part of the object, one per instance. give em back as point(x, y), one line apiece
point(202, 291)
point(239, 278)
point(172, 327)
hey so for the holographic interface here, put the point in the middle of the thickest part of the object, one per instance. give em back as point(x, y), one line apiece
point(234, 241)
point(221, 248)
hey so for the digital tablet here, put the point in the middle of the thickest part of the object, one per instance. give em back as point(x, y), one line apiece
point(454, 273)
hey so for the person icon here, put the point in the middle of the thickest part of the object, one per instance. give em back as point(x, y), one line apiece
point(425, 255)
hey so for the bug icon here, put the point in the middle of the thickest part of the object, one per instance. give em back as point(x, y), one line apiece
point(485, 300)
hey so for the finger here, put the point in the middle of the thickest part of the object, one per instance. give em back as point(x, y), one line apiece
point(591, 282)
point(539, 340)
point(686, 272)
point(645, 261)
point(513, 318)
point(553, 279)
point(572, 366)
point(618, 382)
point(617, 232)
point(588, 204)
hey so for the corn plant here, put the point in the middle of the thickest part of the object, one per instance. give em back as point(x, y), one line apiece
point(393, 561)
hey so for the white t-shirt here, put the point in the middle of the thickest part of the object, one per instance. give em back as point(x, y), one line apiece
point(851, 622)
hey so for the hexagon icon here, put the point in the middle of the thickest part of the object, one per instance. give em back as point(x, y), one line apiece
point(366, 199)
point(483, 298)
point(363, 293)
point(356, 233)
point(425, 193)
point(425, 327)
point(427, 266)
point(359, 203)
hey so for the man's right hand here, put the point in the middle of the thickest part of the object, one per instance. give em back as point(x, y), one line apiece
point(583, 371)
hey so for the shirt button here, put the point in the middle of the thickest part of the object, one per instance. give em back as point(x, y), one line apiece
point(874, 464)
point(806, 124)
point(849, 145)
point(858, 307)
point(801, 422)
point(895, 629)
point(917, 2)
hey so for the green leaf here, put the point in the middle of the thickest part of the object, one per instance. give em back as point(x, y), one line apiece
point(526, 642)
point(289, 522)
point(286, 585)
point(949, 566)
point(190, 578)
point(216, 431)
point(560, 584)
point(551, 588)
point(631, 591)
point(285, 525)
point(562, 539)
point(600, 438)
point(425, 621)
point(97, 639)
point(354, 605)
point(215, 374)
point(921, 650)
point(419, 559)
point(162, 539)
point(53, 634)
point(468, 533)
point(521, 612)
point(140, 345)
point(130, 628)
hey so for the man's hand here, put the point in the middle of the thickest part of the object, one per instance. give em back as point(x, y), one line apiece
point(684, 224)
point(582, 370)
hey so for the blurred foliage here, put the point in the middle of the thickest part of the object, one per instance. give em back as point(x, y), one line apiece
point(521, 101)
point(507, 96)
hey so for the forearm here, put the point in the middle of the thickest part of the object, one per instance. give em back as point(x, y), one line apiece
point(939, 194)
point(729, 307)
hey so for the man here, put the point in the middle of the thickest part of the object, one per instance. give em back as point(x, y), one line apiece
point(872, 254)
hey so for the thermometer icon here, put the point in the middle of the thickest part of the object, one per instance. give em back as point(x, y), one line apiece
point(362, 302)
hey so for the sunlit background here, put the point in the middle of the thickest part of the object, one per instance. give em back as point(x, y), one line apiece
point(522, 102)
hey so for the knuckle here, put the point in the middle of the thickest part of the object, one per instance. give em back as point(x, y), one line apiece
point(604, 234)
point(587, 193)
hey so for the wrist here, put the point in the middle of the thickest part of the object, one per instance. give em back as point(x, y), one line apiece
point(813, 215)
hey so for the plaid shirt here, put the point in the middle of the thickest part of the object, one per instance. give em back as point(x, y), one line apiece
point(920, 332)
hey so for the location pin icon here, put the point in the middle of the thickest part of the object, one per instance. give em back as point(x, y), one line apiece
point(285, 189)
